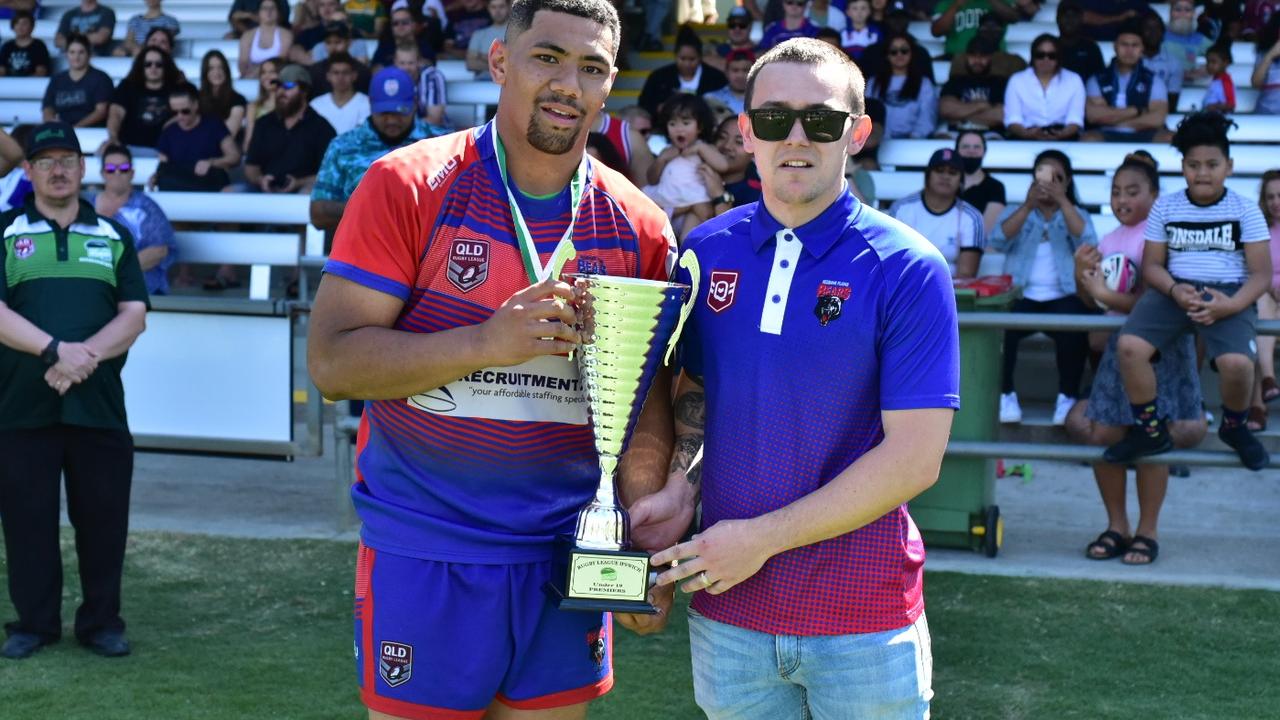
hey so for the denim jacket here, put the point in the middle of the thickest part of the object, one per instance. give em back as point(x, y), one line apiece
point(1020, 250)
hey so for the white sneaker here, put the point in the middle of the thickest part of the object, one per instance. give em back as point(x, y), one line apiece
point(1061, 409)
point(1010, 410)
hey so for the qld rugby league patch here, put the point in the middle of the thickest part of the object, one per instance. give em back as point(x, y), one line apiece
point(395, 663)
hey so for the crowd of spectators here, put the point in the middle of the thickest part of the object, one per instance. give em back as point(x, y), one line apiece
point(315, 122)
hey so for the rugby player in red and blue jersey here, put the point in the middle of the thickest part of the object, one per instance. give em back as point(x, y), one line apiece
point(820, 376)
point(442, 304)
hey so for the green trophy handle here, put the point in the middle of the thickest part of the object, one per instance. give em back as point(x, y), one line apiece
point(689, 262)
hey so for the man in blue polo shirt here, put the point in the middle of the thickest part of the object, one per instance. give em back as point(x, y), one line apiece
point(820, 377)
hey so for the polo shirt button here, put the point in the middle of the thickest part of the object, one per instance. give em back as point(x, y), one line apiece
point(788, 237)
point(784, 264)
point(777, 298)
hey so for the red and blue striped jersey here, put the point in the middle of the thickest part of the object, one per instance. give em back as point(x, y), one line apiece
point(491, 468)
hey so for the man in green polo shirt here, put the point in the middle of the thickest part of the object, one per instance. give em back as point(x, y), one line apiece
point(72, 301)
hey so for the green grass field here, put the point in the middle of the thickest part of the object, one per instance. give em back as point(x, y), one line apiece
point(261, 629)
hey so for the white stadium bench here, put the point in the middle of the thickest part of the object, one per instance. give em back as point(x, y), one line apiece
point(260, 251)
point(477, 94)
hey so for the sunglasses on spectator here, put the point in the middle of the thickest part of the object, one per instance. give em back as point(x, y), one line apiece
point(185, 111)
point(66, 162)
point(820, 124)
point(153, 64)
point(112, 168)
point(1042, 55)
point(739, 25)
point(289, 85)
point(900, 50)
point(793, 2)
point(399, 23)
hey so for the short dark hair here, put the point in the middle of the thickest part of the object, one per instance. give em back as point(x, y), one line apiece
point(808, 51)
point(1204, 128)
point(117, 149)
point(1132, 26)
point(20, 15)
point(981, 45)
point(76, 38)
point(1222, 49)
point(186, 90)
point(343, 58)
point(599, 11)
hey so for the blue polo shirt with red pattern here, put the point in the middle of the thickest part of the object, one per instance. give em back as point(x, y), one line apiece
point(442, 475)
point(802, 337)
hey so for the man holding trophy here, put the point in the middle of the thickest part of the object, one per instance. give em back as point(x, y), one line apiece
point(443, 304)
point(820, 376)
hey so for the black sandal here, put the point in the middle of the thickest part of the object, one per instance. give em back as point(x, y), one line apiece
point(1150, 549)
point(1113, 549)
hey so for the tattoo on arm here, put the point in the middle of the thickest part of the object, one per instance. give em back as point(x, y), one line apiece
point(691, 409)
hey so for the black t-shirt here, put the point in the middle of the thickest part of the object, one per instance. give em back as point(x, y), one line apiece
point(990, 190)
point(23, 61)
point(145, 113)
point(73, 100)
point(281, 151)
point(746, 190)
point(184, 148)
point(210, 107)
point(1084, 58)
point(975, 88)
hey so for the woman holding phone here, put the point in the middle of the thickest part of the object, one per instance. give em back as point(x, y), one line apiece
point(1039, 238)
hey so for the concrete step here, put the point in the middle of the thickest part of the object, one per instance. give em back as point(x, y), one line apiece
point(1037, 427)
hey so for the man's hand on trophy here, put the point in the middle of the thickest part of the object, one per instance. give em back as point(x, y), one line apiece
point(538, 320)
point(662, 597)
point(715, 560)
point(659, 520)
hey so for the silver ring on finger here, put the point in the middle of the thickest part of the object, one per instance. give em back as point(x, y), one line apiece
point(706, 581)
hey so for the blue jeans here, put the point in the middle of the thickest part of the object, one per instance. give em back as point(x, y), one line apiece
point(741, 674)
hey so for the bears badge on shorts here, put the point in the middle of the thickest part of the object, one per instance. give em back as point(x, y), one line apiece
point(395, 663)
point(831, 297)
point(468, 263)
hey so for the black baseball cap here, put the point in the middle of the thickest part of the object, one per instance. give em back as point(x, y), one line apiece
point(946, 157)
point(55, 135)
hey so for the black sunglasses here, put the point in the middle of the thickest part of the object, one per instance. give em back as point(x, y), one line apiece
point(153, 64)
point(1045, 56)
point(900, 51)
point(820, 124)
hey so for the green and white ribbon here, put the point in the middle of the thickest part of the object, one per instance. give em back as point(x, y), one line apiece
point(564, 251)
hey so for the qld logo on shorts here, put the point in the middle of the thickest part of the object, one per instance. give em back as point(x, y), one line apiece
point(724, 285)
point(24, 247)
point(395, 663)
point(468, 263)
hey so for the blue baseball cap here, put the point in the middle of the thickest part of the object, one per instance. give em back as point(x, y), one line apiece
point(391, 91)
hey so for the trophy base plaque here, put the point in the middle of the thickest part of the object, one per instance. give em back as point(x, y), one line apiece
point(599, 580)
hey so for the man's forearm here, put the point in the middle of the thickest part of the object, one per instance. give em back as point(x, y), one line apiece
point(326, 214)
point(20, 333)
point(643, 467)
point(116, 337)
point(690, 411)
point(884, 478)
point(376, 363)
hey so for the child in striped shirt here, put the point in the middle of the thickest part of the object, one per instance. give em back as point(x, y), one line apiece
point(1206, 262)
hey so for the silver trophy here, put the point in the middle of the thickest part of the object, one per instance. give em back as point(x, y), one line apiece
point(629, 327)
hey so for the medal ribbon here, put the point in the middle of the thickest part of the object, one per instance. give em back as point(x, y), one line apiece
point(524, 239)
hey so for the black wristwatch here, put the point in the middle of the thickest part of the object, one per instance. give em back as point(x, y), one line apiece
point(726, 197)
point(49, 355)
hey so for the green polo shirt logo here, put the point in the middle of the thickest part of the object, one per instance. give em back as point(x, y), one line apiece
point(23, 248)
